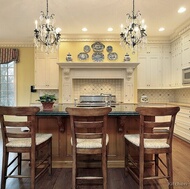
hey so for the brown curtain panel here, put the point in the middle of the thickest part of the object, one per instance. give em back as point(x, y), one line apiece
point(7, 55)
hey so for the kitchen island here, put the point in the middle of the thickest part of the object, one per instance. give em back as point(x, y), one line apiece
point(123, 119)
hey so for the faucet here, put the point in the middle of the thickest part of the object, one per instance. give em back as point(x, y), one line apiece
point(108, 101)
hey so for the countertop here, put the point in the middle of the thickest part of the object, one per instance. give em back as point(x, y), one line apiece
point(121, 109)
point(126, 109)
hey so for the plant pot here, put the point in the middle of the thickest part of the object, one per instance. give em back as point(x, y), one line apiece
point(47, 106)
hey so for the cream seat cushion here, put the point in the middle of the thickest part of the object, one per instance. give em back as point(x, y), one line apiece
point(26, 142)
point(148, 143)
point(90, 143)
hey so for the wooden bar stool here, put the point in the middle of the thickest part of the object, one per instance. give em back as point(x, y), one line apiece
point(15, 141)
point(155, 138)
point(88, 128)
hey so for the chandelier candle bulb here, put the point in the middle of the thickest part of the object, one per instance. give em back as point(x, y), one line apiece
point(36, 23)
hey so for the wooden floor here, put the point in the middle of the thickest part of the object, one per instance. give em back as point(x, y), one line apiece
point(61, 178)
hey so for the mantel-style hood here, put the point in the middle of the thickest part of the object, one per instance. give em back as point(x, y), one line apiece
point(97, 65)
point(98, 71)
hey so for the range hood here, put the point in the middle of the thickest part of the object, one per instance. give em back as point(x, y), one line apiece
point(99, 71)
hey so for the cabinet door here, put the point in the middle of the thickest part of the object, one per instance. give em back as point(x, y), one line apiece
point(176, 70)
point(182, 128)
point(186, 49)
point(52, 73)
point(166, 71)
point(155, 80)
point(40, 73)
point(149, 72)
point(143, 71)
point(46, 71)
point(176, 65)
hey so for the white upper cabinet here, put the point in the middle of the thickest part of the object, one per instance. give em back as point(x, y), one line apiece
point(166, 66)
point(185, 39)
point(176, 64)
point(152, 59)
point(46, 71)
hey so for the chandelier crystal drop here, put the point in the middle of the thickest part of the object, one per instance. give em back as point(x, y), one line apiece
point(46, 36)
point(134, 34)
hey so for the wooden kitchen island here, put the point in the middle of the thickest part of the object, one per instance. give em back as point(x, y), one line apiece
point(123, 119)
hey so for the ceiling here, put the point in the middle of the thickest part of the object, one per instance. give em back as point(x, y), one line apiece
point(17, 17)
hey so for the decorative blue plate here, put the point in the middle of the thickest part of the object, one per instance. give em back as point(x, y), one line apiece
point(98, 47)
point(112, 56)
point(109, 49)
point(86, 48)
point(98, 57)
point(83, 56)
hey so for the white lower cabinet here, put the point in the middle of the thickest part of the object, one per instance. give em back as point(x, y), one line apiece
point(46, 71)
point(182, 126)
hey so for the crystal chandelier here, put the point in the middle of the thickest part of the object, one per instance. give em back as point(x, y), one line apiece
point(46, 36)
point(134, 35)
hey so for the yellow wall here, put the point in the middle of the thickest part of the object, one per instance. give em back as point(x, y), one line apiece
point(74, 48)
point(25, 76)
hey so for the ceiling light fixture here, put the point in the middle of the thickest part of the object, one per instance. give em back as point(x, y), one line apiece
point(46, 36)
point(181, 10)
point(110, 29)
point(161, 29)
point(84, 29)
point(134, 35)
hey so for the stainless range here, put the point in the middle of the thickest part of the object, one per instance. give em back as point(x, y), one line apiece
point(97, 100)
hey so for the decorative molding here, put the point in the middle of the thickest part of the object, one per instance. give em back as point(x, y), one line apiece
point(88, 38)
point(16, 44)
point(129, 73)
point(66, 72)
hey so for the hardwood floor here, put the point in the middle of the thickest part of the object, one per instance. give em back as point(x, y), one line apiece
point(61, 178)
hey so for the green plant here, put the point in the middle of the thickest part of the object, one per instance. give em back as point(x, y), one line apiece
point(47, 98)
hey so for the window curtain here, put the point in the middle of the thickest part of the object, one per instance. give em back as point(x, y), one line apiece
point(8, 55)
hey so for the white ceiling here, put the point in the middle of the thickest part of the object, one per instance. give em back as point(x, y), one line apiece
point(17, 17)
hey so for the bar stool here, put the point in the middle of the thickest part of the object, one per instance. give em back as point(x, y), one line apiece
point(15, 141)
point(155, 138)
point(88, 128)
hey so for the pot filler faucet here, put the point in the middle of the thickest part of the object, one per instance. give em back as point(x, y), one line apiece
point(107, 101)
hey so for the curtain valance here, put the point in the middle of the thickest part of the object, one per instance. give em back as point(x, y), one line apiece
point(8, 54)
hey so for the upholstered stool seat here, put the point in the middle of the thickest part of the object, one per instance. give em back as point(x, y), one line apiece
point(148, 143)
point(90, 143)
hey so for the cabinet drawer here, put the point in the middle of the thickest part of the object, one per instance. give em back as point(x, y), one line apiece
point(183, 118)
point(184, 110)
point(182, 134)
point(183, 127)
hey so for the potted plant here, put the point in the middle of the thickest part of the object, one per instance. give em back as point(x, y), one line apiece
point(47, 101)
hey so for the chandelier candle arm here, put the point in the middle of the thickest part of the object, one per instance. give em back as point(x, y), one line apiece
point(134, 35)
point(46, 36)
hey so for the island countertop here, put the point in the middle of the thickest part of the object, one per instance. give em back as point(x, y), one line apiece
point(120, 109)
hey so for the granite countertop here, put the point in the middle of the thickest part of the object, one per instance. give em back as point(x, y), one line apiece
point(121, 109)
point(125, 109)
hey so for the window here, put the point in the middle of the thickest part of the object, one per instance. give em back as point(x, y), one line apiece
point(7, 84)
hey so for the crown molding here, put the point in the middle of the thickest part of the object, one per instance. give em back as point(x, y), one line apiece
point(91, 37)
point(180, 30)
point(16, 44)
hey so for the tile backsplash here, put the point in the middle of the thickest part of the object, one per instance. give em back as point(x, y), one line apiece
point(94, 86)
point(165, 95)
point(97, 86)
